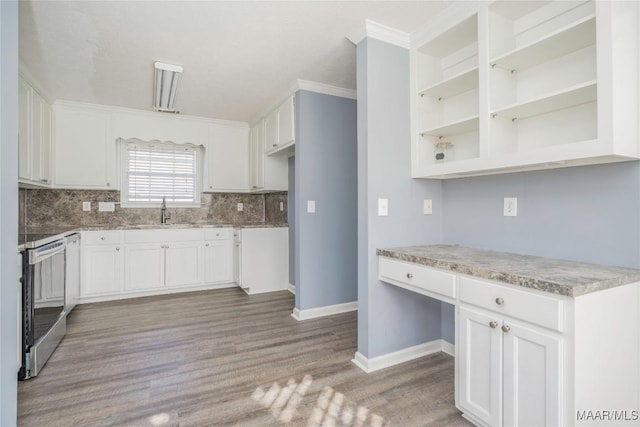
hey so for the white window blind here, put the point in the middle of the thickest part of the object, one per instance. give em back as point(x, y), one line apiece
point(155, 171)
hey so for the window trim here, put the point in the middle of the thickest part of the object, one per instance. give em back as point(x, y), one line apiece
point(124, 175)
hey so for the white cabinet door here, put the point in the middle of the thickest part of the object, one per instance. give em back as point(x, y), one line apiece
point(102, 270)
point(183, 264)
point(84, 152)
point(531, 377)
point(41, 140)
point(24, 130)
point(256, 152)
point(286, 122)
point(218, 262)
point(227, 157)
point(72, 275)
point(480, 366)
point(271, 135)
point(144, 266)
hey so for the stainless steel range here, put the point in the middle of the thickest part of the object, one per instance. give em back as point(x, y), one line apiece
point(43, 299)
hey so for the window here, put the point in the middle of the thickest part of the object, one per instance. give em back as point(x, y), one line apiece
point(153, 170)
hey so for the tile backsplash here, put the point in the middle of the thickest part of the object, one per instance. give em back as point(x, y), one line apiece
point(63, 208)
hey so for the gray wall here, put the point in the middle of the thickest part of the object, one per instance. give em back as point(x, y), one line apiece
point(325, 171)
point(390, 318)
point(588, 213)
point(291, 214)
point(8, 210)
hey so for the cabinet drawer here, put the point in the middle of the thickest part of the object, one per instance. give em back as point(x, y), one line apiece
point(542, 310)
point(106, 237)
point(217, 233)
point(416, 277)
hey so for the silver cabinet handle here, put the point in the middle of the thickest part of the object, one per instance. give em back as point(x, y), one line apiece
point(499, 301)
point(505, 328)
point(409, 275)
point(493, 324)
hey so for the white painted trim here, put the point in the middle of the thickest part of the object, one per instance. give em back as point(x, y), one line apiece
point(154, 292)
point(291, 288)
point(448, 348)
point(323, 88)
point(381, 32)
point(328, 310)
point(148, 113)
point(400, 356)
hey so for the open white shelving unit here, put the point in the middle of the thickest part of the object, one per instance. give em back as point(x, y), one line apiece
point(526, 85)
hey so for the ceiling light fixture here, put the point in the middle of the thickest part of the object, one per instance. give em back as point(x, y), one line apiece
point(165, 87)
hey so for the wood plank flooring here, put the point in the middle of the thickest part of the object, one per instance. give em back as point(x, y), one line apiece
point(224, 358)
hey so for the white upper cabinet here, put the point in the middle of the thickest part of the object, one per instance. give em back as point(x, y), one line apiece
point(34, 136)
point(227, 159)
point(84, 149)
point(514, 86)
point(267, 173)
point(256, 157)
point(279, 128)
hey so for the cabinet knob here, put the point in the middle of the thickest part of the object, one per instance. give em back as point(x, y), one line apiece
point(255, 186)
point(217, 234)
point(206, 244)
point(44, 180)
point(505, 328)
point(275, 145)
point(108, 184)
point(102, 238)
point(211, 186)
point(117, 249)
point(409, 275)
point(493, 324)
point(499, 301)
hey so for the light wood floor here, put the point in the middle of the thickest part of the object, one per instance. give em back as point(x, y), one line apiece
point(224, 358)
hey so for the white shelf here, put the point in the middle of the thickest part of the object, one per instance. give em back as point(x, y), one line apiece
point(455, 38)
point(454, 85)
point(571, 38)
point(468, 124)
point(566, 98)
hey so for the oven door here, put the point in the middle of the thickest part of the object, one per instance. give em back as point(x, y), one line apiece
point(44, 322)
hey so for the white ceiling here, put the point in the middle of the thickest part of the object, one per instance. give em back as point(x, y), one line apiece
point(238, 56)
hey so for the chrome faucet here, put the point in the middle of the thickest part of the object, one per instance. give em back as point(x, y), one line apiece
point(165, 217)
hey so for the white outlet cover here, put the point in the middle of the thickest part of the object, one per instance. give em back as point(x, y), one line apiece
point(383, 207)
point(510, 206)
point(106, 207)
point(240, 207)
point(86, 206)
point(281, 206)
point(311, 206)
point(427, 206)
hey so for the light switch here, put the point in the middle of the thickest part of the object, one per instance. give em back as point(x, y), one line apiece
point(510, 206)
point(427, 206)
point(383, 207)
point(106, 207)
point(240, 207)
point(311, 206)
point(86, 206)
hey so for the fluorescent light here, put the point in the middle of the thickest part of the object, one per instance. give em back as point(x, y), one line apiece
point(165, 86)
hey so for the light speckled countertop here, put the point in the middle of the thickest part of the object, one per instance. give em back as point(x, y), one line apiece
point(560, 277)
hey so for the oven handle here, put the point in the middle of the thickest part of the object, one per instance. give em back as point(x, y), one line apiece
point(47, 251)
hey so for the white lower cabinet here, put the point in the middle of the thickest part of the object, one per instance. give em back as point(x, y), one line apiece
point(183, 264)
point(218, 267)
point(102, 270)
point(508, 372)
point(144, 266)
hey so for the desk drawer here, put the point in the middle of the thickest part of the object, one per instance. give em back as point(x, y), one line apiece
point(546, 311)
point(102, 237)
point(417, 276)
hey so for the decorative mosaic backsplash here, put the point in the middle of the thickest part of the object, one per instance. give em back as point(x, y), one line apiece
point(63, 208)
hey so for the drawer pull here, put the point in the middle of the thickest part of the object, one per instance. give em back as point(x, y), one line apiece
point(493, 324)
point(409, 275)
point(206, 244)
point(102, 238)
point(499, 301)
point(117, 249)
point(505, 328)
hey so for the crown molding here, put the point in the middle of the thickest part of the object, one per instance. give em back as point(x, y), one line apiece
point(380, 32)
point(323, 88)
point(28, 77)
point(114, 109)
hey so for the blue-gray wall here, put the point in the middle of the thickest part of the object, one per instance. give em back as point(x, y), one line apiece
point(325, 171)
point(587, 213)
point(390, 318)
point(8, 210)
point(291, 219)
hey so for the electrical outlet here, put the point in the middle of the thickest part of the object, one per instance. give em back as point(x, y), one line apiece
point(281, 206)
point(427, 206)
point(383, 207)
point(510, 206)
point(106, 207)
point(311, 206)
point(86, 206)
point(240, 207)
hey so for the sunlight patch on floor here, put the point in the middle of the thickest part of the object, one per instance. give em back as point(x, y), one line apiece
point(332, 408)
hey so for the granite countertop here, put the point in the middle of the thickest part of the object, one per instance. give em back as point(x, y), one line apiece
point(560, 277)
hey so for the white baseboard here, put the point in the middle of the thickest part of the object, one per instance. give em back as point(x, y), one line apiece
point(328, 310)
point(448, 348)
point(401, 356)
point(153, 292)
point(291, 288)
